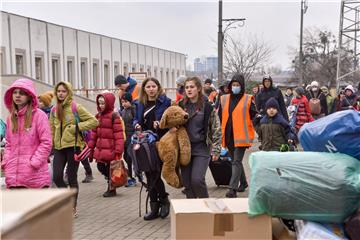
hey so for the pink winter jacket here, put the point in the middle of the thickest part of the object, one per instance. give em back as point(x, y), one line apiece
point(27, 151)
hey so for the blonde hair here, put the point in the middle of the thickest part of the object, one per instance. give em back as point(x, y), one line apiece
point(143, 97)
point(14, 117)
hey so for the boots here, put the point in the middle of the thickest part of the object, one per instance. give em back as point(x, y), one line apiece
point(165, 207)
point(154, 207)
point(110, 192)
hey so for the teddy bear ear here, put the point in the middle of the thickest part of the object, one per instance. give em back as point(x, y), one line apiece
point(162, 124)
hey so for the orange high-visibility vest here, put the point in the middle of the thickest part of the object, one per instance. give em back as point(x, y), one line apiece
point(242, 126)
point(135, 93)
point(212, 96)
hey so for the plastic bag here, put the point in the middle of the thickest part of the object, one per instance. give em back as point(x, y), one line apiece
point(323, 187)
point(337, 132)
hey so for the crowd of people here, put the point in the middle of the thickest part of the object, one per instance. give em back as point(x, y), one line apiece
point(227, 117)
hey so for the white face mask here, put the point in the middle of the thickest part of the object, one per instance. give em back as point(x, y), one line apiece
point(236, 89)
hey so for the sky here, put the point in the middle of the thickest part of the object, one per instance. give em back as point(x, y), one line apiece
point(188, 27)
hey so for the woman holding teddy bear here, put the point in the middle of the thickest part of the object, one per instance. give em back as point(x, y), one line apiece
point(204, 130)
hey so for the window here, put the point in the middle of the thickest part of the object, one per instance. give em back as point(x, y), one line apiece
point(172, 81)
point(70, 70)
point(106, 75)
point(83, 72)
point(155, 72)
point(167, 80)
point(148, 72)
point(38, 68)
point(55, 66)
point(126, 71)
point(133, 69)
point(95, 73)
point(2, 61)
point(19, 63)
point(116, 69)
point(161, 76)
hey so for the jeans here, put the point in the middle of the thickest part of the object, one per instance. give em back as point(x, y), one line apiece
point(238, 172)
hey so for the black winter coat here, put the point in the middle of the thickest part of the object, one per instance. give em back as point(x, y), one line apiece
point(266, 94)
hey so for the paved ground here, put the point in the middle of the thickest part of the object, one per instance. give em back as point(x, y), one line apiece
point(118, 217)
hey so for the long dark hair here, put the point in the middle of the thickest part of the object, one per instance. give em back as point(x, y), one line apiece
point(198, 84)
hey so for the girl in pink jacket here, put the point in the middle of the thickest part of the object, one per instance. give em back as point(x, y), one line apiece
point(28, 139)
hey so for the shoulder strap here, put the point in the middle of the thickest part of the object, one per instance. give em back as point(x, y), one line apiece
point(74, 111)
point(53, 111)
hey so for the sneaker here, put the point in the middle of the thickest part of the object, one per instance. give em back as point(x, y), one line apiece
point(87, 179)
point(242, 187)
point(75, 213)
point(110, 193)
point(231, 194)
point(131, 182)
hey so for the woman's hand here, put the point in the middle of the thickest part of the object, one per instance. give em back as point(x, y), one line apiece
point(137, 127)
point(156, 124)
point(214, 158)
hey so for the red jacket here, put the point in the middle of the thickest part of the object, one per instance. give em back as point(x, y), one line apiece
point(107, 140)
point(303, 114)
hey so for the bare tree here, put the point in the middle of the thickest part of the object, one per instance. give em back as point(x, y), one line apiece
point(245, 56)
point(320, 58)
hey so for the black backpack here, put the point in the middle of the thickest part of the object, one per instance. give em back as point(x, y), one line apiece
point(145, 158)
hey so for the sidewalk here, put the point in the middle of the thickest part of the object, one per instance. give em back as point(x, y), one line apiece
point(118, 217)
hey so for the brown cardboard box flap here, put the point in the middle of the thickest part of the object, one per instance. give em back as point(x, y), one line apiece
point(18, 206)
point(216, 219)
point(210, 205)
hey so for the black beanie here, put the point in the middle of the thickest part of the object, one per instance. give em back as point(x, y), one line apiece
point(120, 79)
point(272, 103)
point(127, 97)
point(208, 81)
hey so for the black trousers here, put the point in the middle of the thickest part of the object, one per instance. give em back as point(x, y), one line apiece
point(156, 185)
point(87, 166)
point(61, 158)
point(104, 169)
point(128, 161)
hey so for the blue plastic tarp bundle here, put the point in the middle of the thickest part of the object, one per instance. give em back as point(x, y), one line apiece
point(323, 187)
point(337, 132)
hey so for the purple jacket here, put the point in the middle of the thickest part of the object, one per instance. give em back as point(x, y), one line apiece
point(27, 151)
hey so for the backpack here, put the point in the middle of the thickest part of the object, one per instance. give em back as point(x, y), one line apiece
point(145, 158)
point(143, 152)
point(86, 135)
point(315, 106)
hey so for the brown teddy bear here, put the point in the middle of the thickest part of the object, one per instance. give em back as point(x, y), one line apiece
point(174, 147)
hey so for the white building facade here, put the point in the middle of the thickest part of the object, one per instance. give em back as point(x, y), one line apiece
point(52, 53)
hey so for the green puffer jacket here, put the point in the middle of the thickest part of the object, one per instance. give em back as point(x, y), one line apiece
point(63, 133)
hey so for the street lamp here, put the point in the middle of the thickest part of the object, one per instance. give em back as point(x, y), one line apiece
point(221, 34)
point(303, 11)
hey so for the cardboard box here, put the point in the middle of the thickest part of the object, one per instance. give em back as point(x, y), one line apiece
point(216, 219)
point(37, 214)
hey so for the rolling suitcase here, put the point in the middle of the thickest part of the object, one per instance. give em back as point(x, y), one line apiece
point(221, 169)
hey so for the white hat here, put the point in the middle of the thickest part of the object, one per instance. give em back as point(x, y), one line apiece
point(314, 84)
point(180, 80)
point(351, 88)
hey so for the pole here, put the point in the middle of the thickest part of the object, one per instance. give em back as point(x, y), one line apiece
point(301, 44)
point(220, 46)
point(339, 46)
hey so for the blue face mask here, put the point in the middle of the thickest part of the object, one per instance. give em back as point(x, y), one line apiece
point(236, 89)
